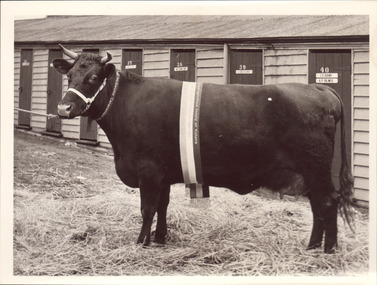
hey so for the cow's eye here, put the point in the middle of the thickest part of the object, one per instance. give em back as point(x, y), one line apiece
point(93, 79)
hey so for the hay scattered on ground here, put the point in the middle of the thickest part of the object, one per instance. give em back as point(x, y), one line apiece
point(72, 216)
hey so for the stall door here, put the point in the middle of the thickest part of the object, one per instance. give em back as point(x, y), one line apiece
point(182, 65)
point(245, 66)
point(54, 92)
point(88, 127)
point(26, 71)
point(132, 60)
point(333, 68)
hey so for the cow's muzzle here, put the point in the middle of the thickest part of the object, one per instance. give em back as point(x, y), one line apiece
point(64, 110)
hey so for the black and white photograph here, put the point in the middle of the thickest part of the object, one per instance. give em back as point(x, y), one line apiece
point(188, 142)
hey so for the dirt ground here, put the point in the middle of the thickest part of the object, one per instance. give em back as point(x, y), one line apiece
point(73, 216)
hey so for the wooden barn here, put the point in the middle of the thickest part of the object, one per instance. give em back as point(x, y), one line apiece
point(332, 50)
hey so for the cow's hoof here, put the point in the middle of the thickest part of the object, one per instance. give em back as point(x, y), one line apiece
point(314, 246)
point(330, 249)
point(145, 242)
point(160, 239)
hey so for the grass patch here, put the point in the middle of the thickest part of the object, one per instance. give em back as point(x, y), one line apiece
point(73, 216)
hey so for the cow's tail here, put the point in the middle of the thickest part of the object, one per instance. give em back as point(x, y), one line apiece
point(345, 177)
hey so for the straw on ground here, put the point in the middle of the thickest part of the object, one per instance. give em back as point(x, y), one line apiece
point(73, 216)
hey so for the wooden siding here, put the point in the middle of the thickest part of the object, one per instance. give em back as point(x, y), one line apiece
point(156, 63)
point(17, 62)
point(280, 65)
point(285, 65)
point(39, 89)
point(210, 65)
point(361, 123)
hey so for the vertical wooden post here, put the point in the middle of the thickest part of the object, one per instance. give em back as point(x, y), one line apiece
point(226, 64)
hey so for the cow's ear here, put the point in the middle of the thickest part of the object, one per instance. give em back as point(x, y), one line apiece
point(62, 65)
point(109, 70)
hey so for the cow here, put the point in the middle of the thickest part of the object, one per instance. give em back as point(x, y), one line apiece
point(276, 136)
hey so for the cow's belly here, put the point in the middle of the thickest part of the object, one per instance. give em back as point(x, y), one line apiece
point(248, 171)
point(284, 180)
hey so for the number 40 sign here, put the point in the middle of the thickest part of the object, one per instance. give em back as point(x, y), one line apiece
point(325, 76)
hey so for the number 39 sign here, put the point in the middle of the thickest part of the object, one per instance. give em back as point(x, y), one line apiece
point(242, 69)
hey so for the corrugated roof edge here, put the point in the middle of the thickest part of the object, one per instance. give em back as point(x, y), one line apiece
point(186, 28)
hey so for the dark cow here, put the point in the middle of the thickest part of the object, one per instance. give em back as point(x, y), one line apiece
point(276, 136)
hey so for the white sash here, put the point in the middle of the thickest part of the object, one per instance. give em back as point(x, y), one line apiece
point(189, 139)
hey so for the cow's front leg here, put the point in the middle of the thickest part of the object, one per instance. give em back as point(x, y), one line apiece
point(161, 229)
point(150, 183)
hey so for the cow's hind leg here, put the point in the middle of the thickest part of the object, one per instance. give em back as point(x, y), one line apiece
point(330, 223)
point(161, 229)
point(318, 225)
point(150, 183)
point(324, 206)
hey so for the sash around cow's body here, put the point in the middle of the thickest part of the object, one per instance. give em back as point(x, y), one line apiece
point(189, 139)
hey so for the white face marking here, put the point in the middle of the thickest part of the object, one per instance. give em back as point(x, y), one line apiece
point(269, 99)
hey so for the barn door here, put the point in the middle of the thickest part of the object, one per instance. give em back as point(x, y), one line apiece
point(26, 71)
point(88, 127)
point(245, 66)
point(333, 68)
point(132, 60)
point(182, 65)
point(54, 92)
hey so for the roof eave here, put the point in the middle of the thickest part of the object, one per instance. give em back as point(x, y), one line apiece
point(262, 40)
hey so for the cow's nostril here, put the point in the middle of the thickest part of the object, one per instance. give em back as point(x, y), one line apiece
point(64, 110)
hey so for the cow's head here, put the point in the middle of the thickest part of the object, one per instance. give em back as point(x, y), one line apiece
point(87, 75)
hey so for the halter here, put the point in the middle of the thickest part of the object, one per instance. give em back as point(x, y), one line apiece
point(89, 101)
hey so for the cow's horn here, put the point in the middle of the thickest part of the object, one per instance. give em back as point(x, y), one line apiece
point(106, 58)
point(69, 53)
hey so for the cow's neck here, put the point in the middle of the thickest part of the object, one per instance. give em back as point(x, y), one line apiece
point(115, 123)
point(102, 101)
point(109, 123)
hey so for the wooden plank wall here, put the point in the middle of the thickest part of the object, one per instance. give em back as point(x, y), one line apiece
point(17, 63)
point(285, 65)
point(210, 65)
point(39, 89)
point(156, 62)
point(280, 65)
point(361, 123)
